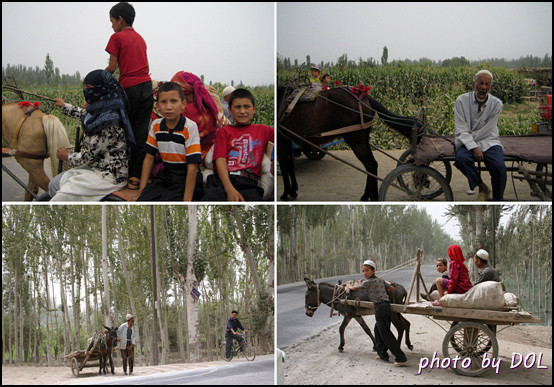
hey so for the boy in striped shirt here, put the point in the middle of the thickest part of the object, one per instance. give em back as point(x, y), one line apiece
point(176, 138)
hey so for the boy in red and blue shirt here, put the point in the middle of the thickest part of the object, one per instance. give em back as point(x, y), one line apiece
point(238, 153)
point(177, 140)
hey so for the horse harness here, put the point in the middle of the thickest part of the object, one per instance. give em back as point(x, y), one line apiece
point(18, 153)
point(336, 297)
point(335, 132)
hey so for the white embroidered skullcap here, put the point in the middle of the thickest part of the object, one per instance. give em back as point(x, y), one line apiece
point(482, 254)
point(228, 90)
point(487, 72)
point(129, 316)
point(369, 263)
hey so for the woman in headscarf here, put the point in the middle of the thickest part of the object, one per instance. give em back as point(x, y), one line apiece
point(203, 107)
point(459, 277)
point(102, 166)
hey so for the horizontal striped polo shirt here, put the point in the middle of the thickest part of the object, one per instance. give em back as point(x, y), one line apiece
point(176, 146)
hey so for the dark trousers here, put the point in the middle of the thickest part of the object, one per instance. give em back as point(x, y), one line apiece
point(128, 355)
point(141, 100)
point(229, 337)
point(494, 161)
point(384, 339)
point(169, 186)
point(248, 188)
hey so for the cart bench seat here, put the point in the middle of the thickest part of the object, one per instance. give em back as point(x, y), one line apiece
point(493, 317)
point(536, 148)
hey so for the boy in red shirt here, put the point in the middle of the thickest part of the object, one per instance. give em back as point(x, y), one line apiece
point(238, 154)
point(127, 50)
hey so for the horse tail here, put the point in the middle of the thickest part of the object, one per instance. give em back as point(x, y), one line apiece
point(56, 136)
point(401, 124)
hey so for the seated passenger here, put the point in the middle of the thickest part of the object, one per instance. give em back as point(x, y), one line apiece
point(238, 154)
point(102, 166)
point(487, 272)
point(442, 267)
point(176, 138)
point(459, 277)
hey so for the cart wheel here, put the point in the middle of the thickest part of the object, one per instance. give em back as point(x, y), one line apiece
point(417, 184)
point(75, 367)
point(312, 153)
point(443, 167)
point(543, 185)
point(472, 340)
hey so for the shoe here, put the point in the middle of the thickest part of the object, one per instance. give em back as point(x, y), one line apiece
point(424, 296)
point(379, 358)
point(436, 303)
point(400, 364)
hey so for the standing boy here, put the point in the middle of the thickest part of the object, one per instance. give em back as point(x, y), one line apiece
point(238, 153)
point(176, 138)
point(375, 289)
point(127, 50)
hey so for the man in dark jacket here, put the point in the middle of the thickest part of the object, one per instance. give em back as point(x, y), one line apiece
point(231, 334)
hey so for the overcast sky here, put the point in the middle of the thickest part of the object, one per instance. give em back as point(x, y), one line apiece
point(222, 41)
point(415, 30)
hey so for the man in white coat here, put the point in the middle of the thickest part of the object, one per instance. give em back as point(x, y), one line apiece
point(126, 338)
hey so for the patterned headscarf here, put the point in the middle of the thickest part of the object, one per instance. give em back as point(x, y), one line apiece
point(191, 84)
point(203, 111)
point(107, 105)
point(455, 254)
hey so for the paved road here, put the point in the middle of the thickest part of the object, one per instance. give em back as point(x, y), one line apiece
point(234, 373)
point(292, 323)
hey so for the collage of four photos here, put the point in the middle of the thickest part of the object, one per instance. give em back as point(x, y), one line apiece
point(211, 193)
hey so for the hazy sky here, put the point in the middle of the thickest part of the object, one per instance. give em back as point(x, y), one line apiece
point(415, 30)
point(223, 41)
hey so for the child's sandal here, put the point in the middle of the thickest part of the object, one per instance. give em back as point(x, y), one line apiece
point(134, 183)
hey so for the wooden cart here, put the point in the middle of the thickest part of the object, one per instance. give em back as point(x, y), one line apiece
point(79, 360)
point(472, 333)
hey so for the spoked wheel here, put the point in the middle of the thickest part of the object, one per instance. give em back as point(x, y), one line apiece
point(75, 367)
point(443, 167)
point(410, 182)
point(249, 352)
point(470, 340)
point(222, 350)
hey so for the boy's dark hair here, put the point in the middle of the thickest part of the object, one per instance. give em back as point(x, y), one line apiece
point(125, 10)
point(169, 86)
point(241, 93)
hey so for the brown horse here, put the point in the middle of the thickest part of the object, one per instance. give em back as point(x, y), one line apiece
point(334, 109)
point(39, 137)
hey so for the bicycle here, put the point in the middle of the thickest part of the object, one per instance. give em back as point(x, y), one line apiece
point(245, 348)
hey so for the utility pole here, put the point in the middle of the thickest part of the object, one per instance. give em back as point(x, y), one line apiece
point(154, 344)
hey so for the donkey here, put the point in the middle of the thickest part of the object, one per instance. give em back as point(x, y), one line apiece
point(329, 295)
point(106, 345)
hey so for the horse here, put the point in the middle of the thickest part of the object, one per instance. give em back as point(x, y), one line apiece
point(327, 294)
point(331, 110)
point(38, 138)
point(106, 346)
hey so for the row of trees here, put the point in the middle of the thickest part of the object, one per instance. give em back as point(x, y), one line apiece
point(324, 241)
point(285, 63)
point(66, 270)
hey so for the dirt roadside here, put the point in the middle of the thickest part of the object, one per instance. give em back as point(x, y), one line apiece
point(331, 180)
point(62, 375)
point(318, 361)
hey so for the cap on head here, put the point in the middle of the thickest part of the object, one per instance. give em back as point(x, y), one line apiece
point(129, 316)
point(234, 311)
point(481, 72)
point(482, 254)
point(228, 90)
point(369, 263)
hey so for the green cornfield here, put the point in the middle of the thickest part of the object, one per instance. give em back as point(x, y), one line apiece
point(402, 89)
